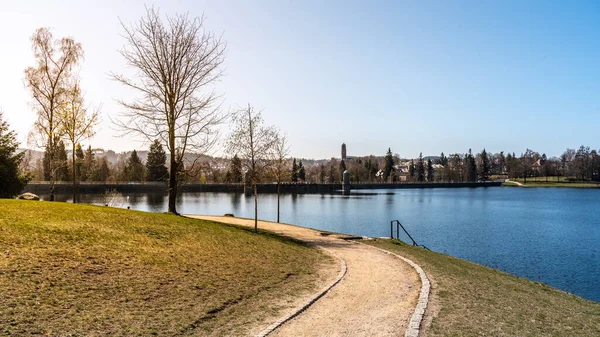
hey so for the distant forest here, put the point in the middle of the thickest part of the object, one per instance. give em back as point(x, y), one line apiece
point(97, 165)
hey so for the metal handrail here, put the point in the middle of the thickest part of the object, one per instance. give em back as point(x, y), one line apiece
point(398, 226)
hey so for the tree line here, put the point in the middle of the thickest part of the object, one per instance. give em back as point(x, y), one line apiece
point(582, 164)
point(90, 167)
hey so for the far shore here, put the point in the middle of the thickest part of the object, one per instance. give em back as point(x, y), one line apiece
point(550, 183)
point(286, 188)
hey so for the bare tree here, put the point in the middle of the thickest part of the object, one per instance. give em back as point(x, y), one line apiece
point(278, 163)
point(176, 64)
point(78, 122)
point(47, 81)
point(253, 143)
point(527, 160)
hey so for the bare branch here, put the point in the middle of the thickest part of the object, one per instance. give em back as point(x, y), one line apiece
point(176, 64)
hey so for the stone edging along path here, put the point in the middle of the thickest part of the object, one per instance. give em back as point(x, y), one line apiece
point(414, 327)
point(374, 293)
point(343, 270)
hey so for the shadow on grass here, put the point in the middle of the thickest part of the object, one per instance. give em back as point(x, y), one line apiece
point(270, 234)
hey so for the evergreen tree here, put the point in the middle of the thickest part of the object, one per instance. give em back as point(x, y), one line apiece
point(421, 168)
point(443, 160)
point(12, 180)
point(134, 168)
point(443, 172)
point(342, 168)
point(50, 151)
point(501, 163)
point(156, 167)
point(228, 177)
point(46, 161)
point(294, 174)
point(331, 174)
point(510, 171)
point(88, 166)
point(79, 156)
point(430, 170)
point(322, 174)
point(101, 171)
point(471, 167)
point(62, 165)
point(301, 171)
point(484, 170)
point(368, 164)
point(237, 175)
point(389, 164)
point(412, 170)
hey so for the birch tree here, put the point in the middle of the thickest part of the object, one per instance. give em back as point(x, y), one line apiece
point(176, 63)
point(278, 163)
point(78, 123)
point(47, 82)
point(253, 143)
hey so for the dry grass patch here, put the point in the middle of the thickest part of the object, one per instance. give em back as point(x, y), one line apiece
point(553, 182)
point(87, 270)
point(472, 300)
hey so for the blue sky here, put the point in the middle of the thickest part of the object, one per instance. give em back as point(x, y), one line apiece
point(418, 76)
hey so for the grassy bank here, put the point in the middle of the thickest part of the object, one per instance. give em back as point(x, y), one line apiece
point(552, 182)
point(87, 270)
point(471, 300)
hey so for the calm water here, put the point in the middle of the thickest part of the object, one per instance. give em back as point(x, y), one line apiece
point(548, 235)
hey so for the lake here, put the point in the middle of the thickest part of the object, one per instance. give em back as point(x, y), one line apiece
point(551, 235)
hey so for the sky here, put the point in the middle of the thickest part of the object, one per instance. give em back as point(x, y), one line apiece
point(415, 76)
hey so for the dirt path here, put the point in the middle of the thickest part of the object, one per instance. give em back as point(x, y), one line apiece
point(514, 182)
point(376, 297)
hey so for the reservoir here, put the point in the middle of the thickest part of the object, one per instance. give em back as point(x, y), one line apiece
point(550, 235)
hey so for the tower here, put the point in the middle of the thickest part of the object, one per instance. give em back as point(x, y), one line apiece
point(343, 151)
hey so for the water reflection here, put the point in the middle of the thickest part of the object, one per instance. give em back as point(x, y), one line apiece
point(156, 201)
point(236, 200)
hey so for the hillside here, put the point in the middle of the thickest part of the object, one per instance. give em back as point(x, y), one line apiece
point(87, 270)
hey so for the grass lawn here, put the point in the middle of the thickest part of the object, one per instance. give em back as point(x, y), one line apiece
point(471, 300)
point(553, 182)
point(88, 270)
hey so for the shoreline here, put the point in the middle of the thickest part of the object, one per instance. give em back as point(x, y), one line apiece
point(551, 184)
point(469, 299)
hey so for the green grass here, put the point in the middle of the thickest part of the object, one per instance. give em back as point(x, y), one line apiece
point(87, 270)
point(468, 299)
point(553, 182)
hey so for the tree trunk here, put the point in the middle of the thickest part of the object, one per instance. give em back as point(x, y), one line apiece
point(277, 201)
point(173, 181)
point(255, 210)
point(51, 167)
point(74, 176)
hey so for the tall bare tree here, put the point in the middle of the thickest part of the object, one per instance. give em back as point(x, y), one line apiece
point(48, 83)
point(278, 163)
point(176, 64)
point(78, 122)
point(253, 142)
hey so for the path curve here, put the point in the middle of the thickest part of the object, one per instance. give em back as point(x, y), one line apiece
point(376, 297)
point(514, 182)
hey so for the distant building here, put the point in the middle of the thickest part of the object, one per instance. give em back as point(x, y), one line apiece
point(343, 151)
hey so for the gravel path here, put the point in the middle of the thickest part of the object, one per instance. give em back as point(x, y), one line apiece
point(376, 297)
